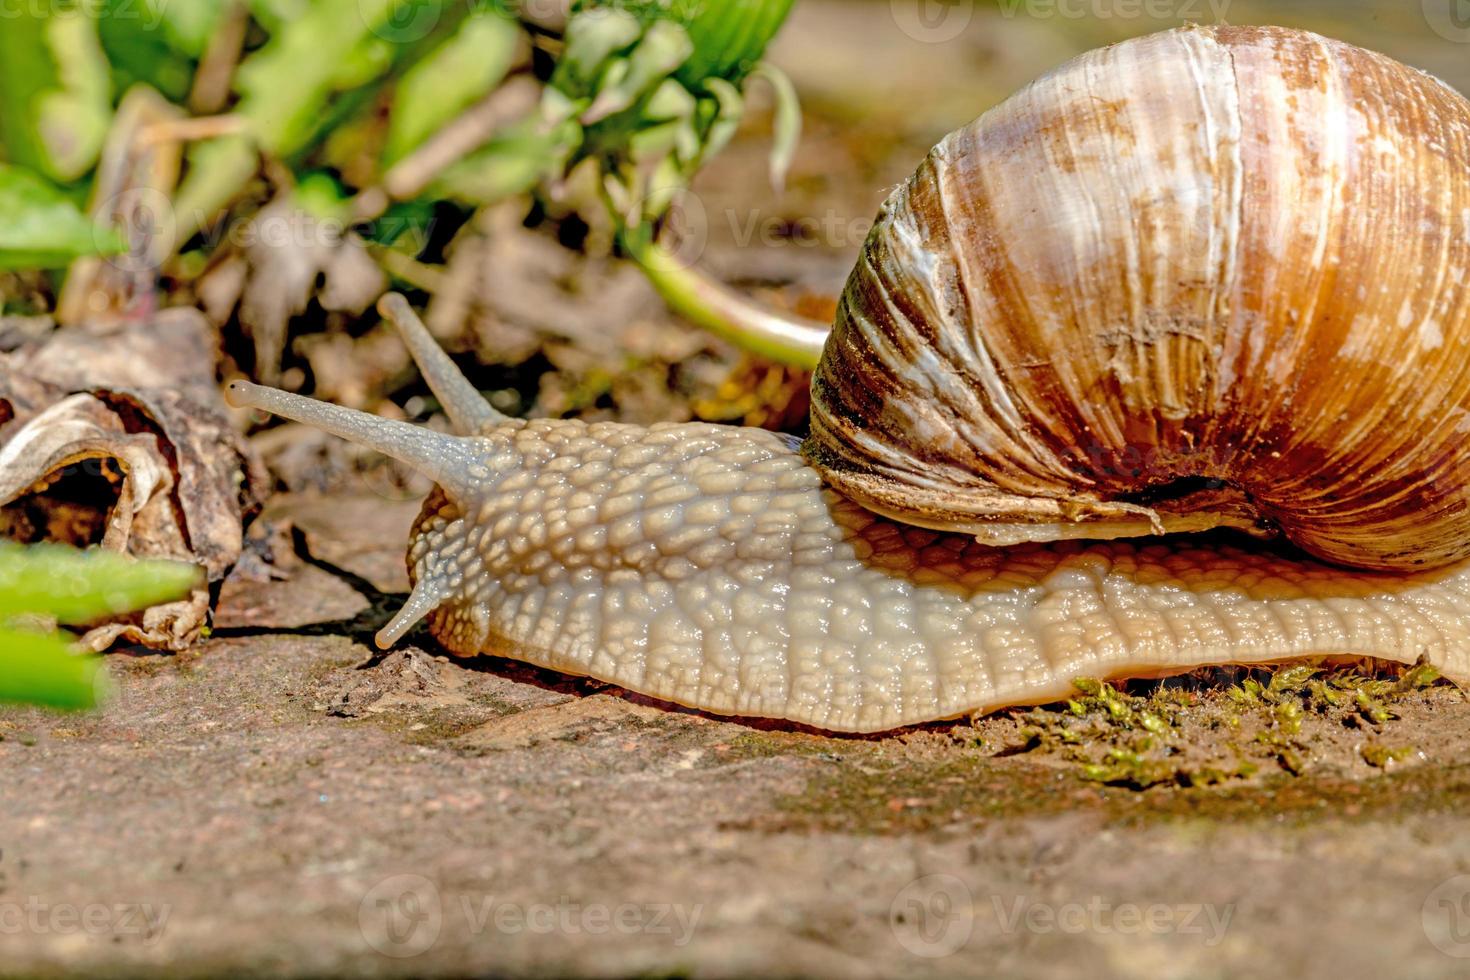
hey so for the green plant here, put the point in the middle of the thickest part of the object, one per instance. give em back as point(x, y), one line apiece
point(50, 583)
point(376, 115)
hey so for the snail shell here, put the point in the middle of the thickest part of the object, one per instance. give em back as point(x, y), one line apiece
point(1214, 276)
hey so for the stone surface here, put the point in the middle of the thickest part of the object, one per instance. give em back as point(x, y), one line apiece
point(286, 799)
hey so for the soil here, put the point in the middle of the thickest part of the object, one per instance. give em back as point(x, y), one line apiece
point(283, 798)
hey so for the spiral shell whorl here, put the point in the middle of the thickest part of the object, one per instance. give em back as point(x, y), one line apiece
point(1207, 277)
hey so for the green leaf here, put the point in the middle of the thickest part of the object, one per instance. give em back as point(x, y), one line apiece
point(274, 14)
point(591, 38)
point(320, 195)
point(41, 228)
point(55, 89)
point(729, 107)
point(289, 88)
point(40, 668)
point(142, 56)
point(450, 79)
point(188, 26)
point(179, 32)
point(512, 162)
point(370, 61)
point(84, 586)
point(787, 124)
point(407, 222)
point(285, 85)
point(730, 36)
point(664, 47)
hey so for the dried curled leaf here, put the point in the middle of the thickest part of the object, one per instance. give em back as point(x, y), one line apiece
point(80, 434)
point(121, 441)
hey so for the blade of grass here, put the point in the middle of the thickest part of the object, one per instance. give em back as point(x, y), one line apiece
point(37, 668)
point(80, 587)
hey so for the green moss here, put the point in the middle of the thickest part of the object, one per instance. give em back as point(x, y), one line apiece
point(773, 744)
point(1382, 756)
point(1189, 732)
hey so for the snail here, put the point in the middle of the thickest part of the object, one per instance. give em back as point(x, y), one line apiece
point(1213, 278)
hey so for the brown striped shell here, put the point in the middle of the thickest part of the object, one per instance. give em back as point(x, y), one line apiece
point(1214, 276)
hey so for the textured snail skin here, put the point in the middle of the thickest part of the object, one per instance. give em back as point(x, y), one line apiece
point(1210, 276)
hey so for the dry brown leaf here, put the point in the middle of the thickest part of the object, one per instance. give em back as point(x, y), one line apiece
point(287, 250)
point(81, 434)
point(122, 441)
point(17, 331)
point(353, 371)
point(521, 287)
point(175, 348)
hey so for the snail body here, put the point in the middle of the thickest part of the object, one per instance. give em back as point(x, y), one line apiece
point(853, 583)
